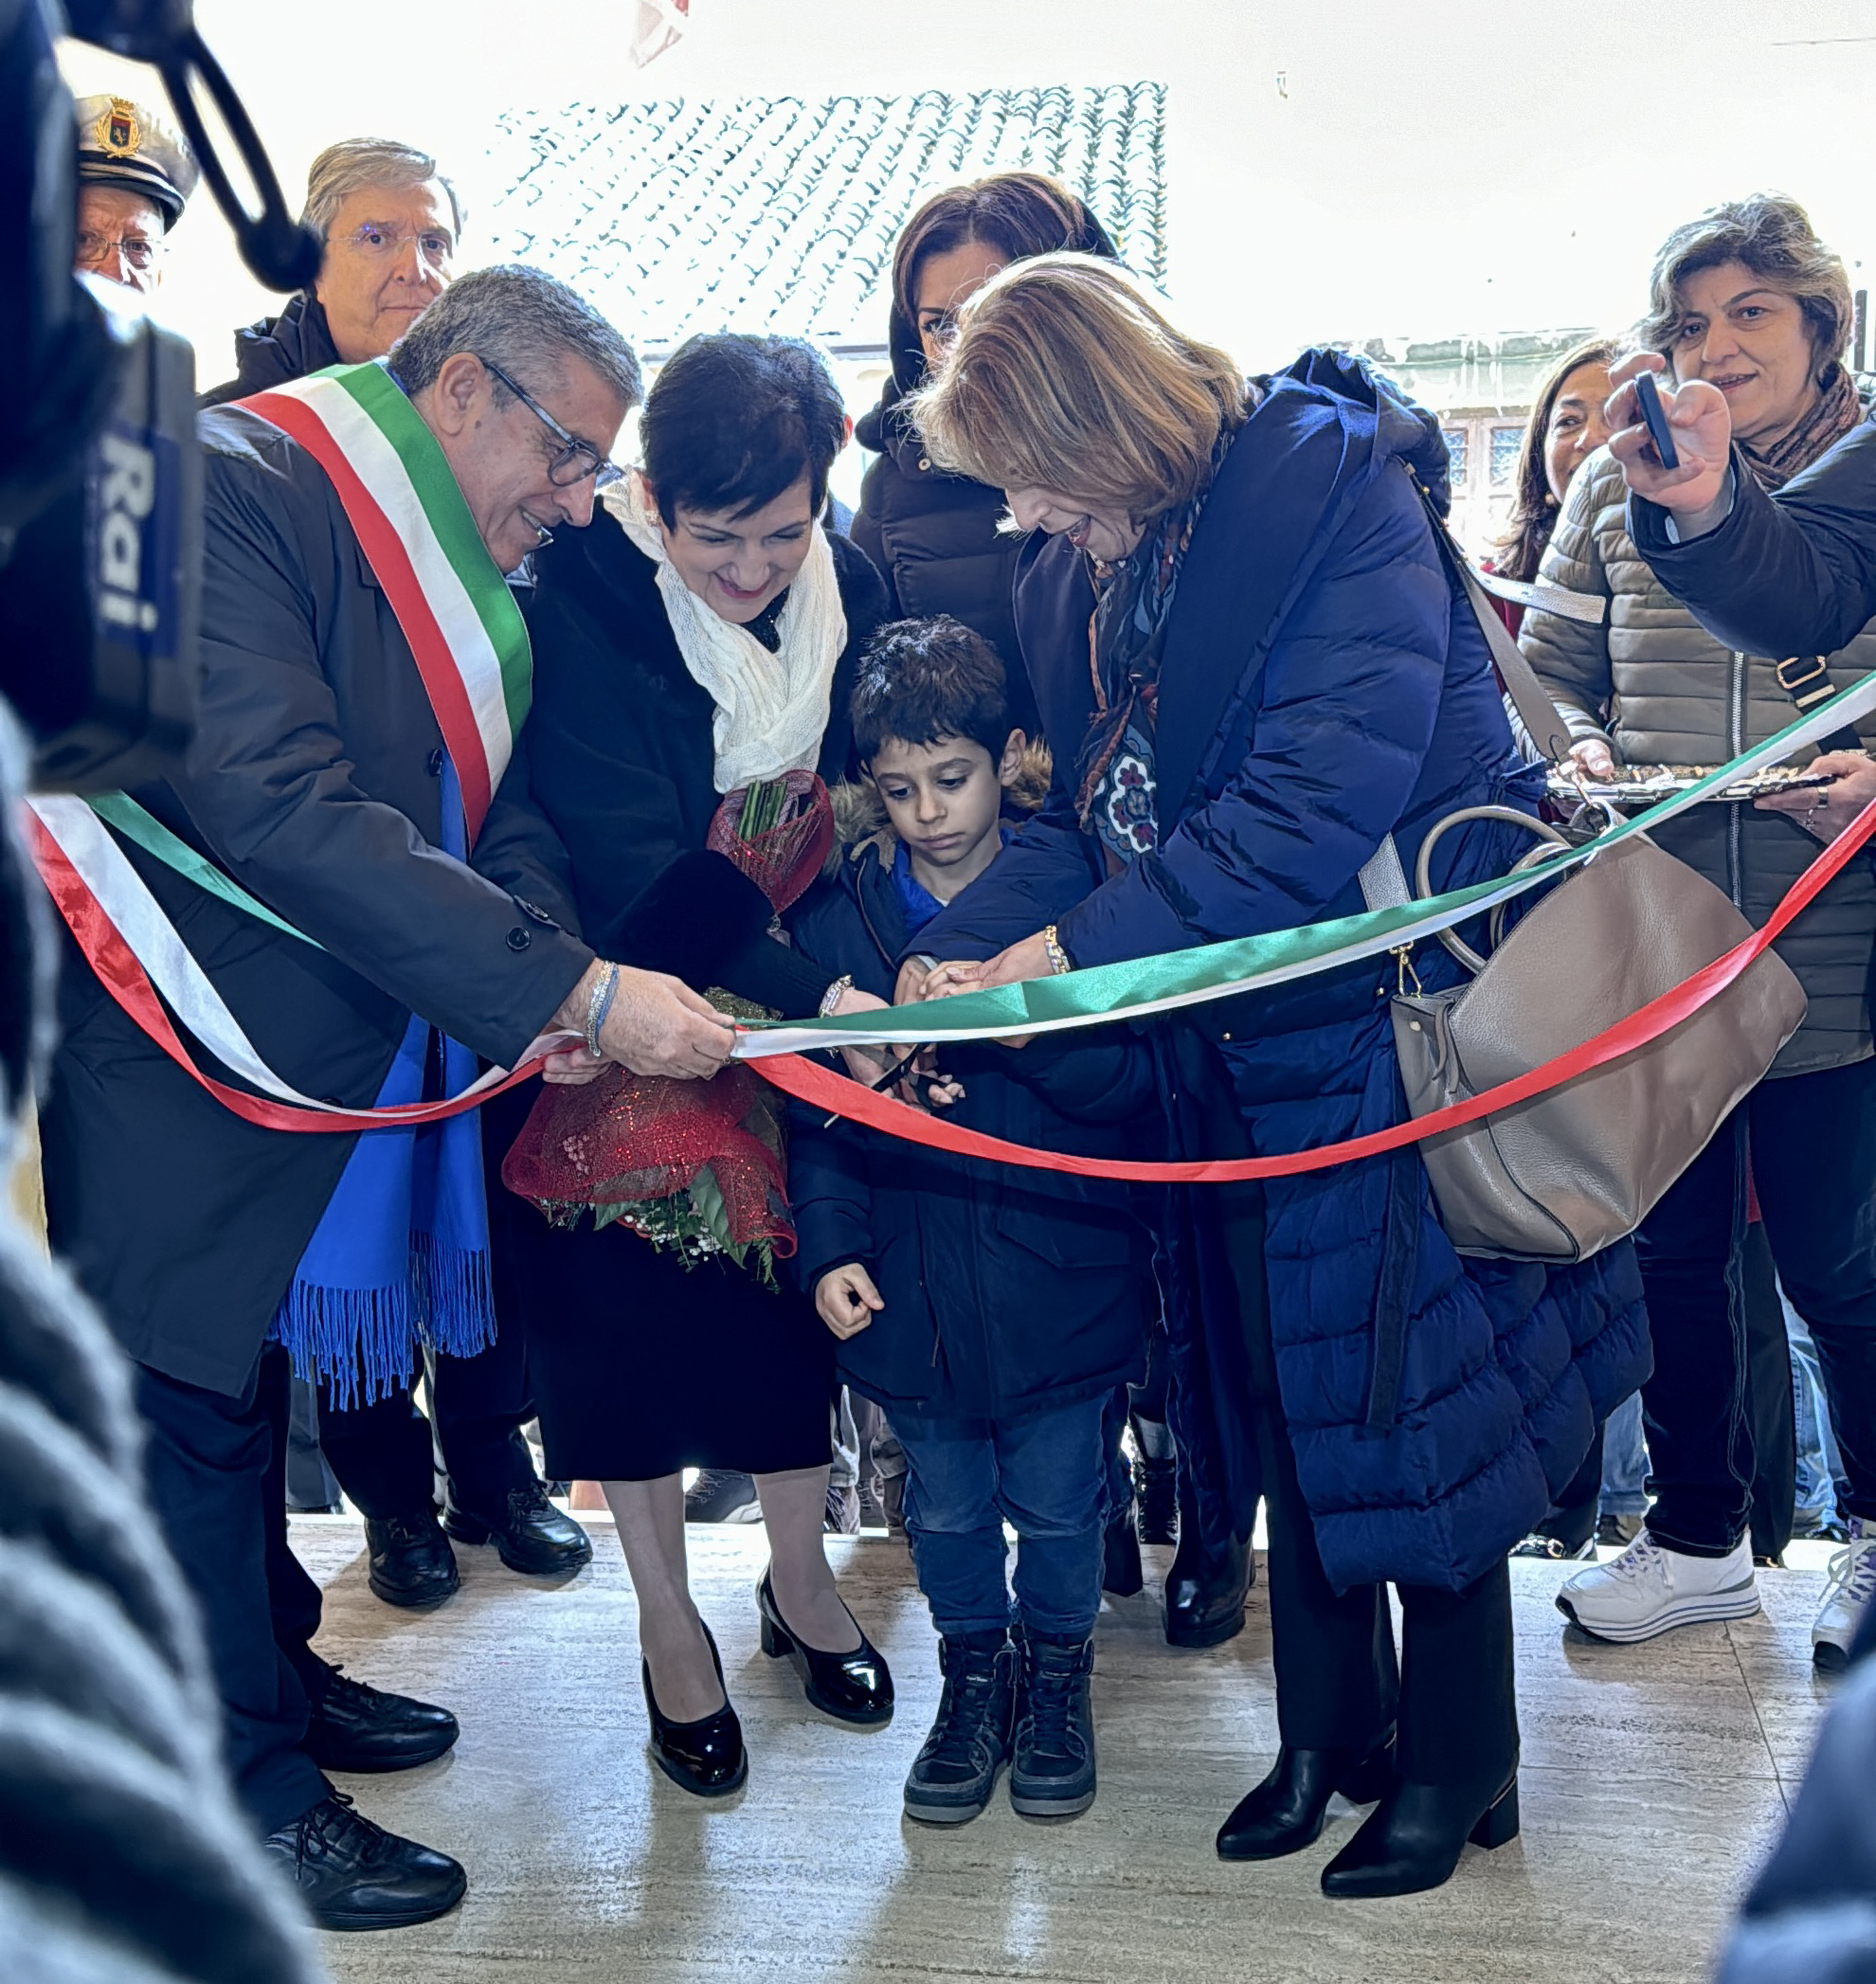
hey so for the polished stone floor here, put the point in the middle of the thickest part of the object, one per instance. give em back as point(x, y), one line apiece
point(1653, 1778)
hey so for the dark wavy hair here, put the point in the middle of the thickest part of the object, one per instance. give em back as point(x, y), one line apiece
point(924, 680)
point(1773, 236)
point(734, 420)
point(1533, 516)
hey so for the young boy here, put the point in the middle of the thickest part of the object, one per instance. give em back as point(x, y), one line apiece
point(991, 1310)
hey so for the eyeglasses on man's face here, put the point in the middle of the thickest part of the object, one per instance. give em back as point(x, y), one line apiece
point(577, 458)
point(379, 240)
point(137, 251)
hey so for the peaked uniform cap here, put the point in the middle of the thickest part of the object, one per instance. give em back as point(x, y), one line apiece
point(122, 144)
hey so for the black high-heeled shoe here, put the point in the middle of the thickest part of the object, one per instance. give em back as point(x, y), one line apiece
point(1413, 1839)
point(1284, 1813)
point(706, 1756)
point(852, 1688)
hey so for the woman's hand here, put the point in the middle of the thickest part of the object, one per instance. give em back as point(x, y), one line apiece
point(573, 1067)
point(1697, 492)
point(1827, 810)
point(865, 1064)
point(1028, 958)
point(1595, 757)
point(846, 1300)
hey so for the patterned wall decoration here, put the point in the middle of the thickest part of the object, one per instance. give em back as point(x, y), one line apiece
point(779, 214)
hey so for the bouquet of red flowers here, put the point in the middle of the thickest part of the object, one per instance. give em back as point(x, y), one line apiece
point(693, 1165)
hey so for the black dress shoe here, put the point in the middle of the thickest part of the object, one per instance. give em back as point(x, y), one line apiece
point(412, 1565)
point(530, 1535)
point(706, 1756)
point(1120, 1555)
point(355, 1727)
point(1206, 1588)
point(852, 1688)
point(1413, 1839)
point(1284, 1813)
point(354, 1875)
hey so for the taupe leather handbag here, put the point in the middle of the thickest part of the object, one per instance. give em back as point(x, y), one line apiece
point(1559, 1177)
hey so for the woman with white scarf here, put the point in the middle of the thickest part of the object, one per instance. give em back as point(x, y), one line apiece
point(698, 639)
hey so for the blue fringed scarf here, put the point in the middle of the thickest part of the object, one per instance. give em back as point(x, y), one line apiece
point(401, 1256)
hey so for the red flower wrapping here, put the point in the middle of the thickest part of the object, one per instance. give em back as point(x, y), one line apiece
point(784, 856)
point(635, 1142)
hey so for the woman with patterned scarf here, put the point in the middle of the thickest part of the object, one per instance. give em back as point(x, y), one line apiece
point(1746, 300)
point(1276, 688)
point(695, 652)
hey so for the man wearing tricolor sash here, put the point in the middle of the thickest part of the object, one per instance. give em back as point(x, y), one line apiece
point(260, 1145)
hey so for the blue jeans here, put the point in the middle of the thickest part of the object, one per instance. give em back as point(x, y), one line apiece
point(1624, 1461)
point(1819, 1468)
point(1047, 1475)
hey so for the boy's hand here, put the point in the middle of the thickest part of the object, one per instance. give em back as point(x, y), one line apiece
point(847, 1300)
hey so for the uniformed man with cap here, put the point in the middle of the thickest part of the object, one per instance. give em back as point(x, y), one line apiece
point(135, 178)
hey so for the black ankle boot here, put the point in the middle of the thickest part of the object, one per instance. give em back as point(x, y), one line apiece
point(855, 1686)
point(1156, 1483)
point(704, 1757)
point(1121, 1574)
point(1206, 1587)
point(1284, 1813)
point(1052, 1752)
point(1413, 1839)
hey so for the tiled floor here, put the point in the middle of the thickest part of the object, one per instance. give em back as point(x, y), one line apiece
point(1653, 1778)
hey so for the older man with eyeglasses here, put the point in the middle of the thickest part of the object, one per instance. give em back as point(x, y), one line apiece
point(392, 225)
point(135, 178)
point(348, 897)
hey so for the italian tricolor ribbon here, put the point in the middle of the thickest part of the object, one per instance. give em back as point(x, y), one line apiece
point(455, 608)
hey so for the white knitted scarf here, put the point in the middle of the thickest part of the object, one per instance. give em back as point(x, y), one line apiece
point(771, 708)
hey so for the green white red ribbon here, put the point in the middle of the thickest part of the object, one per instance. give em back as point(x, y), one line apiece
point(455, 608)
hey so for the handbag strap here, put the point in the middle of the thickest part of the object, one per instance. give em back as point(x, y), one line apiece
point(1529, 697)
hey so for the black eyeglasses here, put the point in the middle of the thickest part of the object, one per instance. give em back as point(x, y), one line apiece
point(577, 458)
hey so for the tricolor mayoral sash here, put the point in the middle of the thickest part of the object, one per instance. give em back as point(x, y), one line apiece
point(471, 649)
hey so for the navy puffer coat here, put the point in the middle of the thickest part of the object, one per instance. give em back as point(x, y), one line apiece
point(1321, 688)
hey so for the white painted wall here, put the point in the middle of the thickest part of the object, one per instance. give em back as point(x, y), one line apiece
point(1463, 167)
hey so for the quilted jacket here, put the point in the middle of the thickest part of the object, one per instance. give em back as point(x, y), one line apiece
point(1662, 689)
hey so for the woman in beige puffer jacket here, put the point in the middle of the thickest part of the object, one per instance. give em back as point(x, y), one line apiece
point(1748, 300)
point(1652, 683)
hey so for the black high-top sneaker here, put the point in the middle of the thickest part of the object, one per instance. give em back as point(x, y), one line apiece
point(1052, 1770)
point(955, 1772)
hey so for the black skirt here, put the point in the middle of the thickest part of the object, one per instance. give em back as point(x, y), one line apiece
point(641, 1365)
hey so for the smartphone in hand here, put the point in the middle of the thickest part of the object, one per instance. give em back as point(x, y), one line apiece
point(1654, 418)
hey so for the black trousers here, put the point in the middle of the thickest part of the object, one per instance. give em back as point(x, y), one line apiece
point(217, 1473)
point(1769, 1412)
point(1451, 1690)
point(1812, 1145)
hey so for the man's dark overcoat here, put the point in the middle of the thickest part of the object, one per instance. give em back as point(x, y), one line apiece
point(315, 781)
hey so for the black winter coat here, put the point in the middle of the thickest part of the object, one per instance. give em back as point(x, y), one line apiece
point(1791, 573)
point(1007, 1292)
point(933, 536)
point(620, 737)
point(314, 780)
point(277, 349)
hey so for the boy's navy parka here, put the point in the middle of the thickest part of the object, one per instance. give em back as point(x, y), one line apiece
point(1323, 687)
point(1007, 1292)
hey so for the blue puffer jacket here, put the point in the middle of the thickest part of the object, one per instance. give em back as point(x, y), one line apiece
point(1007, 1292)
point(1322, 686)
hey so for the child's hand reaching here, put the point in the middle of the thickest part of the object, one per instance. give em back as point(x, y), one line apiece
point(847, 1300)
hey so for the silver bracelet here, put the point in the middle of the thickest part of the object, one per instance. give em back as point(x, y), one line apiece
point(834, 994)
point(598, 1003)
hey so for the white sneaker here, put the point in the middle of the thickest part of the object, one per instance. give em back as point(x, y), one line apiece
point(1846, 1598)
point(1649, 1590)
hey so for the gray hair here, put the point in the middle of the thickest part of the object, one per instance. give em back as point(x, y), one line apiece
point(524, 320)
point(1773, 236)
point(355, 163)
